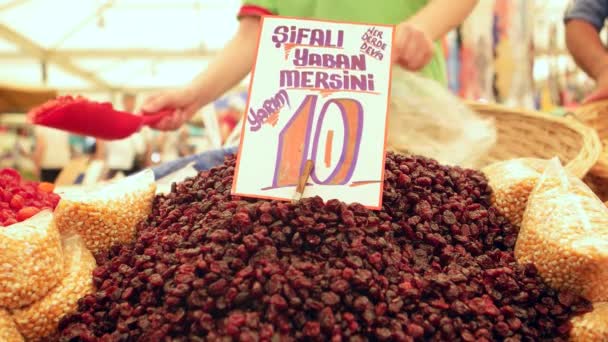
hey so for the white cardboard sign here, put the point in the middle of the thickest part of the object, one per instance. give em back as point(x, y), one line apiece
point(319, 92)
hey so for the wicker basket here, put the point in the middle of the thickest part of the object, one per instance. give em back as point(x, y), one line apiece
point(533, 134)
point(596, 115)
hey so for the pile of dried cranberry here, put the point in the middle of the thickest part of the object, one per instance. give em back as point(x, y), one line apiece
point(20, 199)
point(435, 264)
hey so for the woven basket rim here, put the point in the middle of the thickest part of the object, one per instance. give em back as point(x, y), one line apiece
point(591, 105)
point(591, 148)
point(594, 114)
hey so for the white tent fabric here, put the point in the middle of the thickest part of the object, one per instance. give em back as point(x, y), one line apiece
point(131, 44)
point(149, 44)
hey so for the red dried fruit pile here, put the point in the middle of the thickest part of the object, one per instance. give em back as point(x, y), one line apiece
point(20, 199)
point(435, 264)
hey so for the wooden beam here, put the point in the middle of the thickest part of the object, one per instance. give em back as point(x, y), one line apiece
point(119, 54)
point(101, 90)
point(137, 53)
point(31, 48)
point(237, 89)
point(12, 4)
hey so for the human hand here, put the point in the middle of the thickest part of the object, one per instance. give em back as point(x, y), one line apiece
point(184, 102)
point(36, 172)
point(601, 88)
point(413, 47)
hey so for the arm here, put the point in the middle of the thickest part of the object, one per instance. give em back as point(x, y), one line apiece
point(583, 42)
point(413, 44)
point(439, 17)
point(39, 149)
point(584, 19)
point(100, 150)
point(231, 65)
point(183, 146)
point(226, 70)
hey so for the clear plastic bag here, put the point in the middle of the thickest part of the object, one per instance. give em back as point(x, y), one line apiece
point(564, 233)
point(427, 119)
point(592, 326)
point(30, 260)
point(40, 319)
point(512, 182)
point(107, 214)
point(8, 328)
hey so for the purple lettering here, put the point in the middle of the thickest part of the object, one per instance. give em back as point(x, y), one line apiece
point(302, 34)
point(358, 63)
point(253, 121)
point(271, 106)
point(280, 35)
point(347, 119)
point(358, 83)
point(305, 58)
point(305, 36)
point(315, 60)
point(329, 61)
point(300, 57)
point(305, 77)
point(321, 81)
point(370, 82)
point(371, 51)
point(318, 38)
point(340, 42)
point(289, 78)
point(335, 81)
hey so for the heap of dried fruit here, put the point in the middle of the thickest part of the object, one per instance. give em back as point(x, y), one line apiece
point(435, 263)
point(20, 199)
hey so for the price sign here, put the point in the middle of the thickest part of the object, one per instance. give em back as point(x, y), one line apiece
point(319, 91)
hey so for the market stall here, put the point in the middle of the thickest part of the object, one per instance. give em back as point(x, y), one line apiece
point(342, 195)
point(441, 249)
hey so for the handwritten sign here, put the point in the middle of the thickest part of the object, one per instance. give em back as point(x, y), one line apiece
point(319, 91)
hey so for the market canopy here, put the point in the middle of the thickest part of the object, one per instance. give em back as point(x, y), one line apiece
point(89, 46)
point(95, 45)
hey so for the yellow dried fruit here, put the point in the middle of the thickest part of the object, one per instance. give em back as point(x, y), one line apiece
point(31, 260)
point(592, 326)
point(8, 329)
point(41, 318)
point(107, 214)
point(565, 234)
point(512, 182)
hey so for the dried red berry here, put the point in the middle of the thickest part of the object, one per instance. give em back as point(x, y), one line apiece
point(435, 263)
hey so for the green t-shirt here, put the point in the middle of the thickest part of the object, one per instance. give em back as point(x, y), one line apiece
point(388, 12)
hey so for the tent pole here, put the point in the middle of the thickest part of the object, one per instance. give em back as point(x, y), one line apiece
point(44, 71)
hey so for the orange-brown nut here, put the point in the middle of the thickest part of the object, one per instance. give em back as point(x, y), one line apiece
point(592, 326)
point(8, 329)
point(565, 235)
point(512, 182)
point(107, 214)
point(40, 319)
point(31, 260)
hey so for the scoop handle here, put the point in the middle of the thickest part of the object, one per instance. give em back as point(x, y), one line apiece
point(152, 118)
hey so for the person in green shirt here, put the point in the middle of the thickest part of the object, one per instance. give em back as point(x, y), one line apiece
point(420, 24)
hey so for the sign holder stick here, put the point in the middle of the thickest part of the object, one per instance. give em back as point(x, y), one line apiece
point(302, 181)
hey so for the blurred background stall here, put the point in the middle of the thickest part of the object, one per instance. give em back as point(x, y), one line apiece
point(120, 51)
